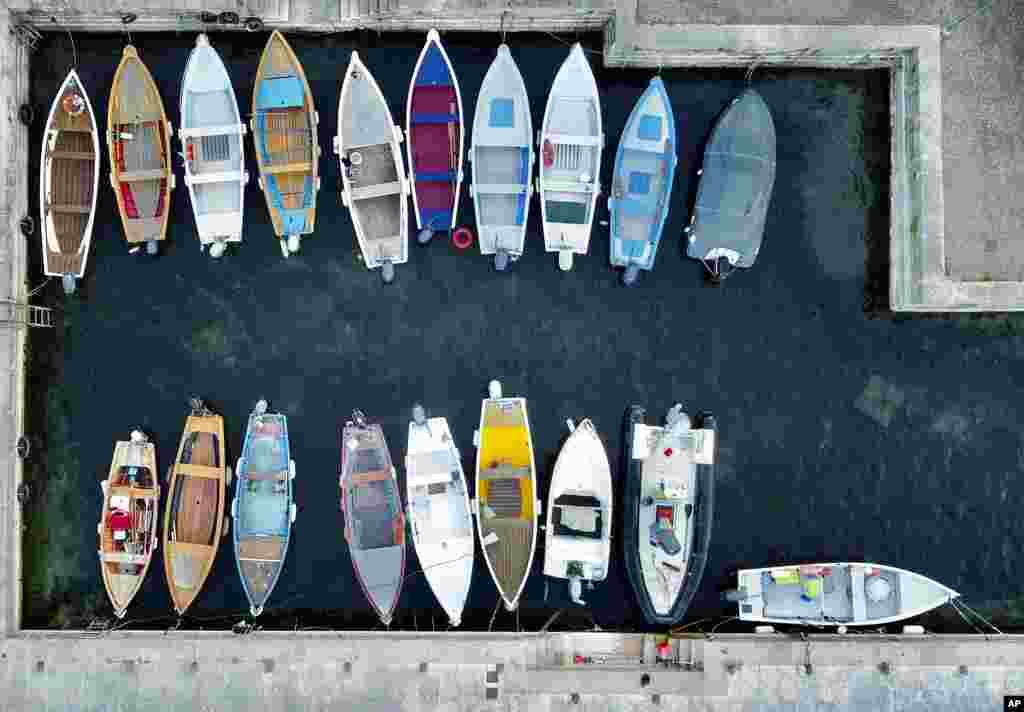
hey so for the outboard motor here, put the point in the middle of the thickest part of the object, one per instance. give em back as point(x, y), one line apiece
point(719, 269)
point(425, 235)
point(501, 260)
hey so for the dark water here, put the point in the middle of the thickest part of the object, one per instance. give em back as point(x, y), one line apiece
point(780, 355)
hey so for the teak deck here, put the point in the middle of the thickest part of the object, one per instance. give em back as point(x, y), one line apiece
point(138, 141)
point(194, 512)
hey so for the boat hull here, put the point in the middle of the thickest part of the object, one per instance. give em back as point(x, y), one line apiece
point(262, 509)
point(665, 578)
point(139, 146)
point(502, 158)
point(850, 594)
point(439, 514)
point(433, 125)
point(128, 523)
point(194, 511)
point(283, 124)
point(506, 489)
point(579, 516)
point(211, 134)
point(70, 167)
point(571, 142)
point(737, 178)
point(645, 166)
point(374, 185)
point(374, 520)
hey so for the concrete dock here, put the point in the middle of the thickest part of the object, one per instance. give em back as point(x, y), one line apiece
point(958, 94)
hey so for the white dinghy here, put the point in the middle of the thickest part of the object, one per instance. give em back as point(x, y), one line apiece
point(570, 141)
point(502, 158)
point(579, 520)
point(211, 137)
point(439, 513)
point(374, 186)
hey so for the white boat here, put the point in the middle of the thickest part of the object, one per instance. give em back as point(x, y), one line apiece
point(439, 514)
point(506, 502)
point(570, 143)
point(70, 165)
point(579, 520)
point(433, 125)
point(211, 137)
point(502, 161)
point(374, 186)
point(836, 594)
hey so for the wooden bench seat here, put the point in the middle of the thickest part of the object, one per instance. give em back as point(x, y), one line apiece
point(135, 176)
point(297, 167)
point(73, 155)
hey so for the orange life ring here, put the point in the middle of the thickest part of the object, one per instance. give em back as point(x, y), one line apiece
point(462, 238)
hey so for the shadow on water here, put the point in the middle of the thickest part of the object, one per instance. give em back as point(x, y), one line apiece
point(842, 437)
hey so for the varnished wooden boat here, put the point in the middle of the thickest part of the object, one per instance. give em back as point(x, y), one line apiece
point(506, 489)
point(283, 127)
point(70, 165)
point(138, 141)
point(263, 509)
point(127, 528)
point(194, 514)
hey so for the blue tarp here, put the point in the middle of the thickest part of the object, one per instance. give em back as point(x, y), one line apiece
point(280, 93)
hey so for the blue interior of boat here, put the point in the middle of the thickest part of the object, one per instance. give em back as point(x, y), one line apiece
point(649, 128)
point(639, 183)
point(280, 93)
point(437, 177)
point(503, 114)
point(433, 69)
point(293, 221)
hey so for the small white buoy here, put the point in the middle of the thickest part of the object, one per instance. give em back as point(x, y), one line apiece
point(913, 630)
point(565, 260)
point(419, 414)
point(217, 249)
point(284, 247)
point(494, 390)
point(151, 247)
point(294, 242)
point(138, 436)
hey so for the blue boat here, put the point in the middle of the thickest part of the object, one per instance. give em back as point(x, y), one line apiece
point(263, 509)
point(645, 166)
point(283, 125)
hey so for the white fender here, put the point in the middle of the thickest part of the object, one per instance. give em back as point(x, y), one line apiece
point(292, 512)
point(316, 117)
point(344, 198)
point(170, 130)
point(241, 129)
point(474, 507)
point(472, 191)
point(113, 181)
point(476, 438)
point(103, 486)
point(334, 142)
point(318, 184)
point(99, 530)
point(234, 508)
point(291, 469)
point(260, 182)
point(399, 134)
point(173, 182)
point(252, 125)
point(245, 178)
point(537, 507)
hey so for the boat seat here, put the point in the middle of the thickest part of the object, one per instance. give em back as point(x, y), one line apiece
point(198, 131)
point(500, 188)
point(569, 139)
point(221, 177)
point(424, 117)
point(79, 209)
point(283, 475)
point(199, 471)
point(566, 186)
point(135, 176)
point(123, 558)
point(297, 167)
point(73, 155)
point(636, 208)
point(435, 176)
point(376, 191)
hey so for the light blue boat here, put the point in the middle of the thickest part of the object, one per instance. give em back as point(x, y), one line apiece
point(263, 510)
point(645, 166)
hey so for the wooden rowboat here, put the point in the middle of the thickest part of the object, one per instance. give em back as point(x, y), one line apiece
point(433, 124)
point(506, 488)
point(283, 125)
point(194, 515)
point(138, 141)
point(70, 165)
point(127, 527)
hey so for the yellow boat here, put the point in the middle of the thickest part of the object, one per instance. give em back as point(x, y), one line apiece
point(194, 519)
point(506, 502)
point(139, 142)
point(127, 528)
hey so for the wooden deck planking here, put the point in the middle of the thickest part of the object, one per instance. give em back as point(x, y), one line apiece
point(197, 514)
point(266, 548)
point(510, 555)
